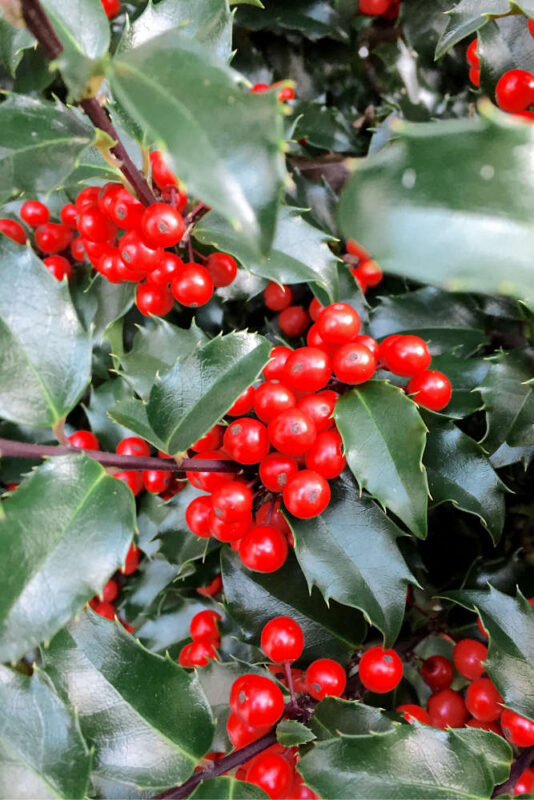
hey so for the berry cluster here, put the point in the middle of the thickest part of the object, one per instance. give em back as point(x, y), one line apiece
point(102, 604)
point(389, 9)
point(206, 639)
point(284, 92)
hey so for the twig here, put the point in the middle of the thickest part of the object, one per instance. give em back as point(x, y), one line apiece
point(518, 767)
point(39, 25)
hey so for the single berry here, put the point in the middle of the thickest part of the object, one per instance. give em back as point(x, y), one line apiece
point(232, 502)
point(152, 301)
point(167, 269)
point(374, 8)
point(211, 440)
point(259, 88)
point(69, 216)
point(241, 734)
point(307, 494)
point(85, 440)
point(282, 640)
point(111, 7)
point(132, 559)
point(222, 268)
point(245, 440)
point(407, 356)
point(276, 297)
point(308, 369)
point(357, 250)
point(325, 678)
point(243, 404)
point(354, 364)
point(133, 446)
point(52, 238)
point(162, 175)
point(263, 548)
point(229, 531)
point(110, 592)
point(257, 700)
point(437, 672)
point(430, 389)
point(272, 397)
point(95, 226)
point(515, 90)
point(272, 773)
point(412, 712)
point(517, 729)
point(293, 321)
point(108, 266)
point(292, 432)
point(447, 709)
point(320, 408)
point(315, 309)
point(204, 625)
point(34, 213)
point(212, 588)
point(59, 266)
point(325, 456)
point(525, 782)
point(162, 225)
point(138, 256)
point(192, 286)
point(197, 516)
point(274, 370)
point(468, 656)
point(380, 670)
point(106, 610)
point(208, 481)
point(275, 471)
point(483, 700)
point(338, 323)
point(269, 513)
point(157, 481)
point(472, 55)
point(133, 480)
point(369, 271)
point(286, 93)
point(121, 207)
point(77, 250)
point(484, 726)
point(314, 339)
point(201, 652)
point(13, 230)
point(87, 198)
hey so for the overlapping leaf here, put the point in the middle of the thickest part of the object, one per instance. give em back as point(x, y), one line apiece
point(507, 400)
point(468, 16)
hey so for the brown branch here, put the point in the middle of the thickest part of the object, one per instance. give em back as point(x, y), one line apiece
point(518, 767)
point(39, 25)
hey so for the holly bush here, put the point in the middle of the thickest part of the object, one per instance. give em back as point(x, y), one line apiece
point(266, 404)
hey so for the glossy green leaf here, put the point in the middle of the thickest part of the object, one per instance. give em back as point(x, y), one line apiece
point(99, 303)
point(199, 390)
point(453, 204)
point(42, 752)
point(102, 398)
point(13, 43)
point(324, 127)
point(85, 522)
point(507, 398)
point(162, 630)
point(468, 16)
point(412, 762)
point(46, 353)
point(226, 788)
point(510, 662)
point(465, 375)
point(132, 414)
point(350, 553)
point(252, 599)
point(503, 44)
point(41, 143)
point(335, 717)
point(290, 733)
point(423, 24)
point(459, 470)
point(147, 719)
point(299, 255)
point(313, 18)
point(384, 438)
point(236, 166)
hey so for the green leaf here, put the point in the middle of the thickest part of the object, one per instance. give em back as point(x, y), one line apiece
point(290, 733)
point(85, 521)
point(42, 752)
point(207, 21)
point(350, 553)
point(147, 719)
point(199, 390)
point(227, 789)
point(41, 143)
point(453, 206)
point(252, 599)
point(503, 44)
point(336, 717)
point(83, 29)
point(422, 24)
point(459, 470)
point(384, 438)
point(468, 16)
point(507, 398)
point(300, 252)
point(510, 662)
point(160, 633)
point(13, 42)
point(156, 347)
point(465, 375)
point(324, 126)
point(132, 414)
point(101, 400)
point(410, 762)
point(46, 361)
point(313, 18)
point(236, 167)
point(98, 302)
point(445, 321)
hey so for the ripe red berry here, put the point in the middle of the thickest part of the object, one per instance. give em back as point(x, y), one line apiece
point(468, 656)
point(282, 640)
point(85, 440)
point(133, 556)
point(110, 592)
point(69, 216)
point(13, 230)
point(192, 286)
point(184, 656)
point(531, 27)
point(293, 321)
point(133, 446)
point(357, 250)
point(212, 588)
point(52, 238)
point(263, 548)
point(34, 213)
point(380, 670)
point(314, 339)
point(133, 479)
point(412, 712)
point(152, 301)
point(245, 440)
point(243, 404)
point(437, 672)
point(308, 369)
point(306, 494)
point(59, 266)
point(368, 341)
point(474, 77)
point(484, 726)
point(472, 55)
point(108, 266)
point(315, 309)
point(374, 8)
point(369, 271)
point(211, 440)
point(87, 198)
point(222, 268)
point(257, 700)
point(353, 364)
point(483, 700)
point(229, 531)
point(209, 481)
point(430, 389)
point(201, 652)
point(232, 502)
point(272, 397)
point(95, 251)
point(274, 370)
point(204, 625)
point(525, 782)
point(96, 227)
point(241, 734)
point(292, 432)
point(162, 225)
point(168, 267)
point(325, 456)
point(106, 610)
point(338, 323)
point(517, 729)
point(325, 678)
point(121, 207)
point(111, 7)
point(320, 408)
point(286, 93)
point(276, 297)
point(275, 471)
point(269, 513)
point(197, 516)
point(77, 250)
point(259, 88)
point(138, 256)
point(272, 773)
point(157, 481)
point(162, 175)
point(406, 356)
point(515, 90)
point(447, 709)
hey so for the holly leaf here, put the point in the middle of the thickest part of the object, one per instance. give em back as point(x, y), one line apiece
point(290, 733)
point(132, 414)
point(299, 254)
point(226, 788)
point(159, 632)
point(384, 438)
point(42, 751)
point(193, 396)
point(13, 42)
point(468, 16)
point(465, 375)
point(252, 599)
point(410, 761)
point(85, 519)
point(41, 143)
point(507, 398)
point(459, 470)
point(312, 18)
point(154, 708)
point(453, 208)
point(510, 662)
point(503, 44)
point(103, 398)
point(98, 302)
point(336, 717)
point(324, 127)
point(238, 173)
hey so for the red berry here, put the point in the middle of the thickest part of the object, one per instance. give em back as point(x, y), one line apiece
point(369, 271)
point(152, 301)
point(211, 440)
point(320, 408)
point(354, 364)
point(162, 175)
point(212, 588)
point(69, 216)
point(517, 729)
point(259, 88)
point(245, 440)
point(293, 321)
point(157, 481)
point(515, 90)
point(308, 369)
point(201, 652)
point(133, 479)
point(108, 266)
point(380, 670)
point(123, 209)
point(204, 625)
point(276, 297)
point(282, 640)
point(412, 712)
point(34, 213)
point(162, 225)
point(13, 230)
point(484, 726)
point(474, 77)
point(472, 55)
point(52, 238)
point(286, 93)
point(241, 734)
point(269, 513)
point(406, 356)
point(243, 404)
point(430, 389)
point(525, 782)
point(338, 323)
point(325, 678)
point(222, 268)
point(77, 250)
point(357, 250)
point(292, 432)
point(531, 27)
point(272, 773)
point(209, 481)
point(257, 700)
point(133, 446)
point(111, 591)
point(374, 8)
point(197, 516)
point(315, 309)
point(229, 531)
point(468, 655)
point(447, 709)
point(275, 471)
point(326, 455)
point(274, 370)
point(263, 548)
point(437, 672)
point(85, 440)
point(95, 251)
point(272, 397)
point(371, 344)
point(111, 7)
point(314, 339)
point(106, 610)
point(184, 656)
point(192, 286)
point(138, 256)
point(93, 225)
point(133, 556)
point(59, 266)
point(169, 266)
point(307, 494)
point(232, 502)
point(483, 700)
point(87, 198)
